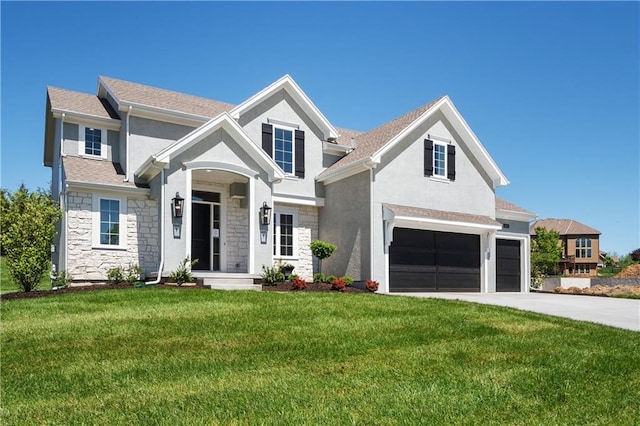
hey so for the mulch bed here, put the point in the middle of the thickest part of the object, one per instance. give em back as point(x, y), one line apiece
point(283, 287)
point(311, 287)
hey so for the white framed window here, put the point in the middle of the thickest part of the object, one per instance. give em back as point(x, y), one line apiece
point(92, 142)
point(439, 160)
point(109, 217)
point(583, 247)
point(285, 233)
point(582, 269)
point(284, 149)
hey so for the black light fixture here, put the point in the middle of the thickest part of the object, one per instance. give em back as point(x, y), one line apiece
point(265, 214)
point(177, 205)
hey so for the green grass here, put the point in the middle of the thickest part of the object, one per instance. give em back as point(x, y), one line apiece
point(188, 357)
point(7, 285)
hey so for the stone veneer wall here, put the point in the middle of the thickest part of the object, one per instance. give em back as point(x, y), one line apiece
point(87, 263)
point(237, 236)
point(307, 231)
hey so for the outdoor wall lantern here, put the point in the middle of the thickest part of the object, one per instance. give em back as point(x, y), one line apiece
point(265, 214)
point(177, 205)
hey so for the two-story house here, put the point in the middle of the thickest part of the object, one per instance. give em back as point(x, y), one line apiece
point(150, 176)
point(580, 245)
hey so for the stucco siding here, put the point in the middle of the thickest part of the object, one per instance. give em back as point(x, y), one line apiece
point(148, 137)
point(399, 179)
point(72, 146)
point(88, 263)
point(283, 108)
point(514, 226)
point(344, 221)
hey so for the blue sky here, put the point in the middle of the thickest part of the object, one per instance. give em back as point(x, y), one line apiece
point(551, 89)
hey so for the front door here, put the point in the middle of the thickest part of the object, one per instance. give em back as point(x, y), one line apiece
point(206, 230)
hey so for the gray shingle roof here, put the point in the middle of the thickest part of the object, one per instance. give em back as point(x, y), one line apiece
point(68, 100)
point(164, 99)
point(88, 170)
point(441, 215)
point(370, 142)
point(502, 204)
point(564, 227)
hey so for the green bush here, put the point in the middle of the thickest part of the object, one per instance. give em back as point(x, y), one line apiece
point(115, 275)
point(321, 250)
point(319, 277)
point(347, 280)
point(61, 279)
point(27, 220)
point(329, 279)
point(183, 273)
point(134, 273)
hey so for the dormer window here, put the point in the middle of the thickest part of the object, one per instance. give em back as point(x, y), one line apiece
point(92, 142)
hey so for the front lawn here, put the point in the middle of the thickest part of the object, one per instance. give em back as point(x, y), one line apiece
point(196, 357)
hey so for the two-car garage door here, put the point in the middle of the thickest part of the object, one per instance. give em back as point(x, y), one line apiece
point(422, 260)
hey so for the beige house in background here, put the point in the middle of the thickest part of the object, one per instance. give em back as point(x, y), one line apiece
point(580, 245)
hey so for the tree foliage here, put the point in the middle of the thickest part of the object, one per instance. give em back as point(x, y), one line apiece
point(635, 255)
point(322, 250)
point(545, 252)
point(28, 223)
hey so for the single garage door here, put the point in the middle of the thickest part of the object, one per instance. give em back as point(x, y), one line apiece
point(508, 265)
point(421, 260)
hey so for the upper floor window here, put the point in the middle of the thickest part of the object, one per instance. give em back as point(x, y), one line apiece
point(92, 142)
point(283, 149)
point(439, 160)
point(583, 247)
point(286, 147)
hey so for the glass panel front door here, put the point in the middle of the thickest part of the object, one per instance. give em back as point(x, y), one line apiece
point(206, 231)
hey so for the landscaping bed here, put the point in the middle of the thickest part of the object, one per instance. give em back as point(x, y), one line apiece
point(311, 287)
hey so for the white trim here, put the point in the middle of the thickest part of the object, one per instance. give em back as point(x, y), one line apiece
point(444, 225)
point(286, 83)
point(292, 173)
point(281, 123)
point(446, 165)
point(70, 184)
point(95, 219)
point(217, 165)
point(82, 119)
point(514, 215)
point(347, 171)
point(104, 142)
point(298, 200)
point(336, 149)
point(277, 211)
point(252, 225)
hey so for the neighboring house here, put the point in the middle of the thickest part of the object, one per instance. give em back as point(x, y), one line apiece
point(410, 204)
point(580, 245)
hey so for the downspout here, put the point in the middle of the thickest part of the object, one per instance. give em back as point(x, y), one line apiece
point(162, 226)
point(126, 142)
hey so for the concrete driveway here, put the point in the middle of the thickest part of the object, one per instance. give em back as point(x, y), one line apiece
point(616, 312)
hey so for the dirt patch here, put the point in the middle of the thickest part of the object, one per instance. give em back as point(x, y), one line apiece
point(631, 271)
point(600, 290)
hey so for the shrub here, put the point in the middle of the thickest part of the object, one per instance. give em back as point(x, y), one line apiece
point(298, 284)
point(272, 274)
point(27, 220)
point(319, 277)
point(134, 273)
point(60, 279)
point(371, 285)
point(348, 280)
point(115, 275)
point(183, 273)
point(292, 277)
point(338, 284)
point(321, 250)
point(329, 279)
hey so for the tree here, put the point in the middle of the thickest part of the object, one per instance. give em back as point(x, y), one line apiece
point(27, 220)
point(322, 250)
point(545, 252)
point(635, 255)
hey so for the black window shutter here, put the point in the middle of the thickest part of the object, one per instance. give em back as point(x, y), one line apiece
point(299, 153)
point(451, 162)
point(267, 139)
point(428, 157)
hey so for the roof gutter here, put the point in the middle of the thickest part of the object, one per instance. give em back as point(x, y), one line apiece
point(348, 170)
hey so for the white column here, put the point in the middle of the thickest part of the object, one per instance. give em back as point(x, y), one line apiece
point(252, 225)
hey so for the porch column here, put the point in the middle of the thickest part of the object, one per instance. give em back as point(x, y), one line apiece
point(252, 225)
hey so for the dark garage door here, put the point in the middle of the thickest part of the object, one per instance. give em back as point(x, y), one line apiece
point(421, 260)
point(507, 265)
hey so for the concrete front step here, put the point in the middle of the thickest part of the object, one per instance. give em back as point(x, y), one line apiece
point(231, 284)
